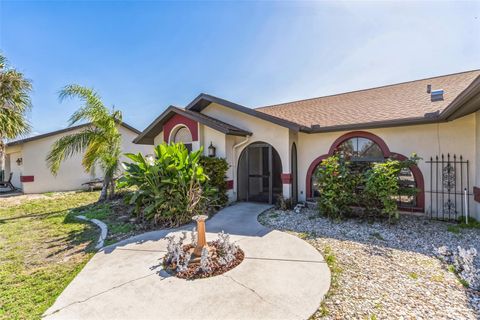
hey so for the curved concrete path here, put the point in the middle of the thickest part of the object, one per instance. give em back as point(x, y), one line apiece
point(282, 277)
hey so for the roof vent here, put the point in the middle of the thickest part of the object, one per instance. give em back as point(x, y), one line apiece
point(437, 95)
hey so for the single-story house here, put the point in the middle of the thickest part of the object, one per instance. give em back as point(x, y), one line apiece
point(26, 159)
point(275, 150)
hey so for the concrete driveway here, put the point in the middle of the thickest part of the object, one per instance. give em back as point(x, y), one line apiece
point(281, 277)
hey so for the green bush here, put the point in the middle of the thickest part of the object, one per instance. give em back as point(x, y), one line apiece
point(381, 188)
point(216, 170)
point(373, 187)
point(169, 189)
point(336, 184)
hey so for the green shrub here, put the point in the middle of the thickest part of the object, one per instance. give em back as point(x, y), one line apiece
point(381, 188)
point(169, 189)
point(216, 170)
point(372, 186)
point(336, 186)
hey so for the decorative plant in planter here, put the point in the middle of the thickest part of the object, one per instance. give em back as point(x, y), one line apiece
point(215, 258)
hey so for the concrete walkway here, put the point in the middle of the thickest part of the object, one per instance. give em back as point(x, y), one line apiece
point(282, 277)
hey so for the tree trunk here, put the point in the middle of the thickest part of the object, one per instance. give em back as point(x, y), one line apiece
point(104, 192)
point(2, 155)
point(112, 190)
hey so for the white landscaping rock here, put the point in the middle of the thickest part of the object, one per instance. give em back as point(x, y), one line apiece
point(388, 271)
point(103, 230)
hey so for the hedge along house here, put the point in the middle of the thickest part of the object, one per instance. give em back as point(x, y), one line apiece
point(275, 150)
point(26, 159)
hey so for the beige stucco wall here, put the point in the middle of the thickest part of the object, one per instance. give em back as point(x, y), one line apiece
point(158, 139)
point(265, 131)
point(12, 166)
point(456, 137)
point(477, 149)
point(71, 174)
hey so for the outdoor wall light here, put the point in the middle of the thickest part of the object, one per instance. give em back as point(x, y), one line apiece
point(19, 161)
point(211, 150)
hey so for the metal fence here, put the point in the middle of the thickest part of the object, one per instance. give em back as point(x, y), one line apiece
point(449, 187)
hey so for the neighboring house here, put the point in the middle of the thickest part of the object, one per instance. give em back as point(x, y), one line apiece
point(26, 158)
point(275, 150)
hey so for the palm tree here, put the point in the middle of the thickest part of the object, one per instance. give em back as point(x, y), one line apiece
point(99, 140)
point(14, 105)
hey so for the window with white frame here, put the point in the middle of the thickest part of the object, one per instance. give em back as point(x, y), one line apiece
point(182, 135)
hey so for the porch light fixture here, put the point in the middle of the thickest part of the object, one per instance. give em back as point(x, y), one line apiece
point(19, 161)
point(211, 150)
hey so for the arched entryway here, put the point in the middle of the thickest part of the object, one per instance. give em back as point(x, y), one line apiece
point(259, 177)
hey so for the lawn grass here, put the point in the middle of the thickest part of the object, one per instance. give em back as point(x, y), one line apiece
point(457, 228)
point(115, 215)
point(42, 248)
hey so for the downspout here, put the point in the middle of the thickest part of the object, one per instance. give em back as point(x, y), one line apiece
point(241, 143)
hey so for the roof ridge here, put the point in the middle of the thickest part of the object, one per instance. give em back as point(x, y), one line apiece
point(64, 130)
point(366, 89)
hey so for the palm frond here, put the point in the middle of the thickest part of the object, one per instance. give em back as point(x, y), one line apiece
point(13, 124)
point(3, 61)
point(67, 146)
point(93, 109)
point(15, 91)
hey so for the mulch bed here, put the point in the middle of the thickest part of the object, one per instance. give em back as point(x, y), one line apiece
point(193, 271)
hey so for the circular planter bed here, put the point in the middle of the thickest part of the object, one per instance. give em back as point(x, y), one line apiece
point(216, 266)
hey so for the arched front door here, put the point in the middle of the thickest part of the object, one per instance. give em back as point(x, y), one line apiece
point(259, 173)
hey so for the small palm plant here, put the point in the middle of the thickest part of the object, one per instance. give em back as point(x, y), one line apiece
point(99, 140)
point(14, 105)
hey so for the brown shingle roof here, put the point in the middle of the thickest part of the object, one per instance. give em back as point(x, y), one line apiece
point(388, 103)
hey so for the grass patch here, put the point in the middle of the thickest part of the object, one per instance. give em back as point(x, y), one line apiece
point(335, 270)
point(303, 235)
point(457, 228)
point(464, 282)
point(116, 215)
point(413, 275)
point(454, 229)
point(42, 248)
point(472, 223)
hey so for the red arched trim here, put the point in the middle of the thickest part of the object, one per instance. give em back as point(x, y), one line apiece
point(310, 171)
point(360, 134)
point(192, 125)
point(418, 176)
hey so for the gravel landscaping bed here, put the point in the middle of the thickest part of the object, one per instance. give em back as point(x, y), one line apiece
point(386, 271)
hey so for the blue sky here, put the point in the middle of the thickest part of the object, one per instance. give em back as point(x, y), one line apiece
point(145, 55)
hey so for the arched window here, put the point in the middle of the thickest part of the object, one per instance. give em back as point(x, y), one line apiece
point(182, 135)
point(406, 180)
point(361, 149)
